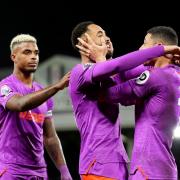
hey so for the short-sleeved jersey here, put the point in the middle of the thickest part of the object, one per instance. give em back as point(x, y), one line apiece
point(21, 133)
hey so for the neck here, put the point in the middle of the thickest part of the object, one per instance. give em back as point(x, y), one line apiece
point(162, 62)
point(26, 78)
point(85, 60)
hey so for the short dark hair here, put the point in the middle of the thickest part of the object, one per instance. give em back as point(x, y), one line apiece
point(167, 34)
point(79, 30)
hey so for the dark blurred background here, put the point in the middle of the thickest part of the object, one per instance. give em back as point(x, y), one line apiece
point(51, 22)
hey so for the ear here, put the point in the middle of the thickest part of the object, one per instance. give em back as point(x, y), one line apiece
point(160, 43)
point(13, 58)
point(84, 38)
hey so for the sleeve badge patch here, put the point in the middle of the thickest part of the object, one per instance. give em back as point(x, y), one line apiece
point(143, 77)
point(5, 90)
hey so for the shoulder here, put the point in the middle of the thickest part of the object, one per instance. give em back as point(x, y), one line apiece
point(77, 67)
point(153, 75)
point(8, 82)
point(7, 86)
point(8, 79)
point(80, 69)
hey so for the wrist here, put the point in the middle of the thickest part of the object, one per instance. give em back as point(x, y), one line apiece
point(63, 169)
point(171, 49)
point(58, 87)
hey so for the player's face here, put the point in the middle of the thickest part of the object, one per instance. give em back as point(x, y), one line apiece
point(110, 48)
point(96, 33)
point(148, 42)
point(26, 56)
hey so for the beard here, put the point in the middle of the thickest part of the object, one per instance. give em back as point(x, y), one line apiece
point(32, 70)
point(28, 71)
point(109, 55)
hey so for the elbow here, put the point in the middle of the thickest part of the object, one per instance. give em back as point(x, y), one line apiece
point(23, 108)
point(20, 107)
point(17, 107)
point(17, 103)
point(50, 141)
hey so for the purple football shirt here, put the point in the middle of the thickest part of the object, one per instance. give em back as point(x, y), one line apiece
point(21, 133)
point(102, 151)
point(157, 94)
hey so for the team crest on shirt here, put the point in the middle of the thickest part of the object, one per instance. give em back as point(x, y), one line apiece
point(5, 90)
point(143, 77)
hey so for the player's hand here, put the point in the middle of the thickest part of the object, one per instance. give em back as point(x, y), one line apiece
point(172, 52)
point(90, 49)
point(176, 60)
point(64, 82)
point(171, 49)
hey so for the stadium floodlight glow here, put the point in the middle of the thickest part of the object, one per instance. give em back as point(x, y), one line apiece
point(177, 132)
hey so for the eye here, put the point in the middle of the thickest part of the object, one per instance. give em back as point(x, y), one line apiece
point(100, 35)
point(36, 52)
point(27, 51)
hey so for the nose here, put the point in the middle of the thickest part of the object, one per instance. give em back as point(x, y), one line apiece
point(34, 59)
point(107, 40)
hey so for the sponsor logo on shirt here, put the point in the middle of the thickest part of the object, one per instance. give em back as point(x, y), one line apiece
point(5, 90)
point(30, 116)
point(143, 77)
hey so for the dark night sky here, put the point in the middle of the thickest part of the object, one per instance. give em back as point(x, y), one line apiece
point(51, 22)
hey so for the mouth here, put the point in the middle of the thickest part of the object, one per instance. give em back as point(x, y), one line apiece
point(32, 64)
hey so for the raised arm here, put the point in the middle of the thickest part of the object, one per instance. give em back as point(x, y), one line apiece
point(18, 102)
point(128, 92)
point(123, 63)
